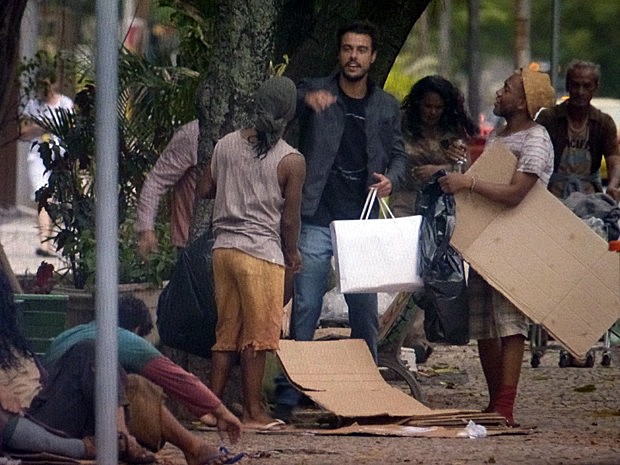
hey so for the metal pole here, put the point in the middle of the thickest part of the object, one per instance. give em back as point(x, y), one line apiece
point(474, 61)
point(106, 182)
point(523, 53)
point(445, 42)
point(555, 43)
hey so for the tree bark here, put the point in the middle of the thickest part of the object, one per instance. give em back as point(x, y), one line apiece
point(245, 35)
point(522, 33)
point(11, 13)
point(473, 55)
point(445, 40)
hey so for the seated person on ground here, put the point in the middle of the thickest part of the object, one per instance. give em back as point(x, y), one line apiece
point(137, 356)
point(60, 404)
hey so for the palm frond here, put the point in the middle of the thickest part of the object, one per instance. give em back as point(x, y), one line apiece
point(59, 122)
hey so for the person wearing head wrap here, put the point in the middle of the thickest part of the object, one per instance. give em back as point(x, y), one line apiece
point(275, 107)
point(494, 321)
point(256, 179)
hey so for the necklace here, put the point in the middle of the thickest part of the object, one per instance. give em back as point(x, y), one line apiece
point(577, 127)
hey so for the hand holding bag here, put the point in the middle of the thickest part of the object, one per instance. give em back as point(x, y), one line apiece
point(377, 255)
point(444, 299)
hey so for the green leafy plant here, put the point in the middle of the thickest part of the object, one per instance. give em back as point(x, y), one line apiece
point(149, 106)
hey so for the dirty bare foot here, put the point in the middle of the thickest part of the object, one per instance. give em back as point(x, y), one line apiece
point(258, 417)
point(208, 419)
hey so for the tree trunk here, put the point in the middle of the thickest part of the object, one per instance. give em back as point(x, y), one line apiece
point(244, 46)
point(11, 13)
point(522, 34)
point(445, 40)
point(473, 58)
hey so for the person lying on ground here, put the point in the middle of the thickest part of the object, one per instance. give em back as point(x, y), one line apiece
point(54, 413)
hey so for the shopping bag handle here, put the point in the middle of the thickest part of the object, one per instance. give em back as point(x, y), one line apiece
point(370, 200)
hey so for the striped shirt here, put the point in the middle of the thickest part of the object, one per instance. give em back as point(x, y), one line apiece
point(533, 150)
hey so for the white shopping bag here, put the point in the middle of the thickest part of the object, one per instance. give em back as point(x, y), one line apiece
point(377, 255)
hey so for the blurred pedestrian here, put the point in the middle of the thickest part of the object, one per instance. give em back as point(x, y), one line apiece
point(47, 103)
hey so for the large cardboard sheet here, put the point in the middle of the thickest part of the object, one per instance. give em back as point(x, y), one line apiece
point(342, 377)
point(540, 256)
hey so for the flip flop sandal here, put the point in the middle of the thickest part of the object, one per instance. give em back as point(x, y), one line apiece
point(275, 425)
point(224, 457)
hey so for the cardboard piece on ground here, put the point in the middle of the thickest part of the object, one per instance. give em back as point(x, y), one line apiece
point(341, 376)
point(413, 431)
point(540, 256)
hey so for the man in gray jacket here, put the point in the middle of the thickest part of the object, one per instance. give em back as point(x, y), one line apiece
point(351, 138)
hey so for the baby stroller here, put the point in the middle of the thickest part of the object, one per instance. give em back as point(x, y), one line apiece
point(601, 213)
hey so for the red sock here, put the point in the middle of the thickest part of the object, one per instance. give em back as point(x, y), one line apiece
point(504, 403)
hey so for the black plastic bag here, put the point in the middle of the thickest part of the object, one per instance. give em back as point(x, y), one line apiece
point(444, 298)
point(186, 310)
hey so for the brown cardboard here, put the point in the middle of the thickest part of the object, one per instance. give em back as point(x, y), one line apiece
point(342, 377)
point(539, 255)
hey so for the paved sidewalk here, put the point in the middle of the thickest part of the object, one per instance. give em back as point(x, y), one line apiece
point(19, 238)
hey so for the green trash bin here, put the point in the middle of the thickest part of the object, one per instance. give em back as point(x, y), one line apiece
point(42, 317)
